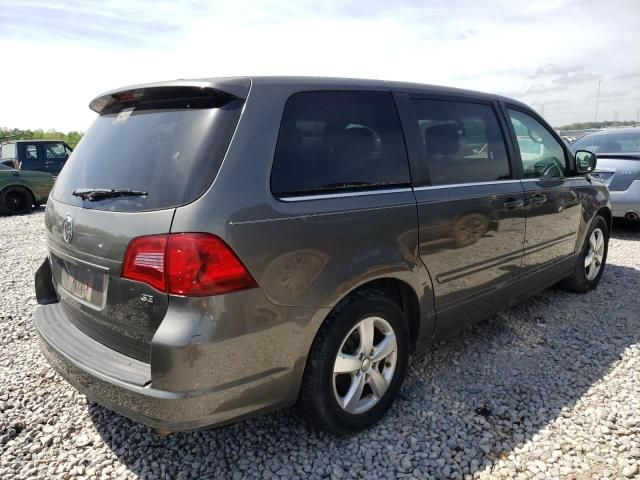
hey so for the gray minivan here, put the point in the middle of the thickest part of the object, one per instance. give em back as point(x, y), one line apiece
point(224, 247)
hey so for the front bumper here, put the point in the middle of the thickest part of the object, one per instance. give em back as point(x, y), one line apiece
point(623, 202)
point(124, 384)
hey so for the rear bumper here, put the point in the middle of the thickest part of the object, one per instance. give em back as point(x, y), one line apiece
point(623, 202)
point(124, 384)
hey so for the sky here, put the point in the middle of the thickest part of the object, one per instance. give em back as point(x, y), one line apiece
point(551, 54)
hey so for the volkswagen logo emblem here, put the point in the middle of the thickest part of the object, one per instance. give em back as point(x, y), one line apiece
point(67, 229)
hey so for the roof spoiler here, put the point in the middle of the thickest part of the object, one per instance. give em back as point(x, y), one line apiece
point(174, 94)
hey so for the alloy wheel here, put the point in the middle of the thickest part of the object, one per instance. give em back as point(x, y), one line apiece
point(365, 365)
point(595, 254)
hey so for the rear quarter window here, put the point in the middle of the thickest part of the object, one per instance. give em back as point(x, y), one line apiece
point(339, 140)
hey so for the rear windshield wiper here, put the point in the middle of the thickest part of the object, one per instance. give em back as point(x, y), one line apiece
point(93, 194)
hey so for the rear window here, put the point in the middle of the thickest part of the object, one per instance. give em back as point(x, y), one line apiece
point(173, 154)
point(337, 141)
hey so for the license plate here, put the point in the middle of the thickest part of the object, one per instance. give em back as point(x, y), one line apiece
point(79, 286)
point(87, 284)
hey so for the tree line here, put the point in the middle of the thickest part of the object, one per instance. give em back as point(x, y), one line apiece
point(70, 138)
point(587, 125)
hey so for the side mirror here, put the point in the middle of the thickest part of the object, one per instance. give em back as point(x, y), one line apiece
point(585, 161)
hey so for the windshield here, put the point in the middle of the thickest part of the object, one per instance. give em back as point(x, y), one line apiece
point(626, 142)
point(171, 154)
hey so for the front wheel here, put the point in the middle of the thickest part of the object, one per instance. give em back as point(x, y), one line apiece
point(592, 259)
point(356, 365)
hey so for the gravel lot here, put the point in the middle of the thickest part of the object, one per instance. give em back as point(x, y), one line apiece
point(548, 389)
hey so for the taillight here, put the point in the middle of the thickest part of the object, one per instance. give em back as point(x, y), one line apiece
point(188, 264)
point(144, 261)
point(201, 264)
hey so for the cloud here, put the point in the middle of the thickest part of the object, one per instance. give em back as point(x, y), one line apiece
point(625, 76)
point(553, 69)
point(576, 78)
point(559, 101)
point(531, 50)
point(546, 88)
point(85, 21)
point(611, 94)
point(466, 34)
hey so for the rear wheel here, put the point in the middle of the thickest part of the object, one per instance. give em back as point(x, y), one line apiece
point(15, 200)
point(592, 259)
point(356, 365)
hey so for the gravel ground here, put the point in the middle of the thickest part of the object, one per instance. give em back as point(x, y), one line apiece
point(548, 389)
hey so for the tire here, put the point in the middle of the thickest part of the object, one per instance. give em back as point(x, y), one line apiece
point(15, 200)
point(324, 397)
point(581, 280)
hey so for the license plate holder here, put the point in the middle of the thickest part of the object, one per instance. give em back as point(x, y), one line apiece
point(82, 282)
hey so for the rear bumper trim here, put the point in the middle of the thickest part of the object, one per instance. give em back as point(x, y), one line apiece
point(123, 384)
point(84, 351)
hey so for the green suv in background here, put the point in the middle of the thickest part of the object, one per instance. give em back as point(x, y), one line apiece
point(223, 247)
point(21, 190)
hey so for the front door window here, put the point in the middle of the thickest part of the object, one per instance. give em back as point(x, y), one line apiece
point(541, 154)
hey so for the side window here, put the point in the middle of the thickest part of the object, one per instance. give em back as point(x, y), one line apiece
point(588, 142)
point(620, 143)
point(541, 154)
point(30, 151)
point(8, 151)
point(462, 142)
point(55, 150)
point(336, 141)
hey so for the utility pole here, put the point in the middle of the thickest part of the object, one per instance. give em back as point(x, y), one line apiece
point(597, 101)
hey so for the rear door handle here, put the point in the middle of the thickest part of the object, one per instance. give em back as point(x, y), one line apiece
point(49, 162)
point(513, 203)
point(538, 199)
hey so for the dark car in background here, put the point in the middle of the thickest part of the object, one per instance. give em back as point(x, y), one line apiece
point(224, 247)
point(618, 151)
point(35, 155)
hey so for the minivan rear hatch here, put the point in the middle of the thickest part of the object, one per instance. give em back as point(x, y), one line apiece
point(152, 149)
